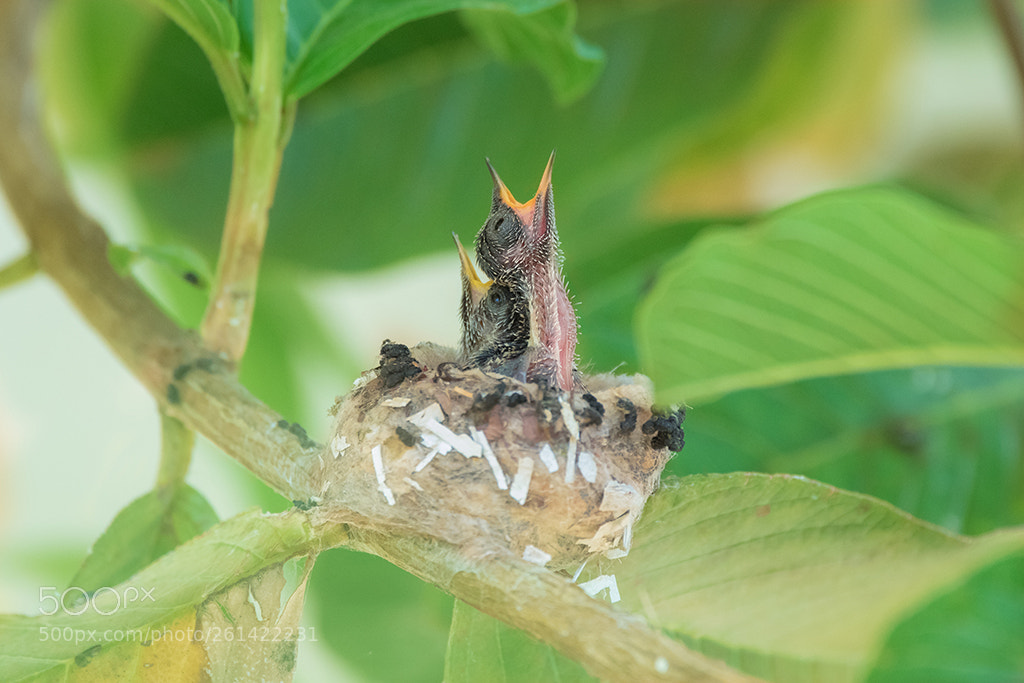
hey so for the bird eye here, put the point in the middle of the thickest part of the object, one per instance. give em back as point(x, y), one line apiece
point(497, 297)
point(502, 230)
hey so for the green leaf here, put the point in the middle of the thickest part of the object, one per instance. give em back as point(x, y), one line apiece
point(973, 632)
point(844, 282)
point(610, 282)
point(789, 579)
point(263, 610)
point(408, 140)
point(547, 40)
point(943, 444)
point(481, 648)
point(181, 262)
point(170, 588)
point(148, 527)
point(209, 22)
point(324, 37)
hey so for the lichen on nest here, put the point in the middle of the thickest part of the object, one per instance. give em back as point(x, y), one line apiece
point(478, 459)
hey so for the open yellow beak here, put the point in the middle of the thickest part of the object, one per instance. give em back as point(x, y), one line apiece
point(477, 287)
point(526, 210)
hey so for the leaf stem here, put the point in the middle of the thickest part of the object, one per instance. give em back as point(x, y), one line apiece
point(258, 147)
point(229, 76)
point(176, 443)
point(18, 270)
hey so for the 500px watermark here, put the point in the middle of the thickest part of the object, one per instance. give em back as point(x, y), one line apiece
point(148, 636)
point(105, 600)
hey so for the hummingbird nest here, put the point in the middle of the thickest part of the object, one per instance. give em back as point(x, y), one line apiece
point(478, 459)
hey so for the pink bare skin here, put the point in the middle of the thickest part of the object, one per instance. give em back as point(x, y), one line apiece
point(519, 245)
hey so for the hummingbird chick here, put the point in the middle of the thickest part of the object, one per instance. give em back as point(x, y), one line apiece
point(518, 245)
point(495, 322)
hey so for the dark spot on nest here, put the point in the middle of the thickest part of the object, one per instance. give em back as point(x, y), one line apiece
point(396, 364)
point(299, 433)
point(406, 436)
point(513, 399)
point(666, 426)
point(549, 407)
point(484, 401)
point(390, 349)
point(173, 395)
point(305, 505)
point(593, 414)
point(628, 423)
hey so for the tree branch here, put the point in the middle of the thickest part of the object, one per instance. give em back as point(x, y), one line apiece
point(191, 384)
point(1008, 20)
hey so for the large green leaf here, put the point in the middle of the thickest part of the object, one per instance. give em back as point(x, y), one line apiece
point(170, 588)
point(847, 281)
point(481, 648)
point(973, 633)
point(545, 39)
point(324, 37)
point(209, 22)
point(790, 579)
point(943, 444)
point(611, 282)
point(147, 528)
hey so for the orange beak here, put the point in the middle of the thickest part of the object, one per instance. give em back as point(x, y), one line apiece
point(527, 211)
point(477, 287)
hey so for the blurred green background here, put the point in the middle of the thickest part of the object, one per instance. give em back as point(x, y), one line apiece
point(702, 114)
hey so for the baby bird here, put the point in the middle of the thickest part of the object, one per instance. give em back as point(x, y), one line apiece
point(495, 322)
point(518, 245)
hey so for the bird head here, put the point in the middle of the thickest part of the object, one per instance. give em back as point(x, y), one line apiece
point(495, 319)
point(518, 237)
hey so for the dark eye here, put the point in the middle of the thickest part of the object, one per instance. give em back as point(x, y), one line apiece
point(502, 230)
point(497, 297)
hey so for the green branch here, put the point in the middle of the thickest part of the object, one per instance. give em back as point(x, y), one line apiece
point(258, 147)
point(18, 270)
point(176, 442)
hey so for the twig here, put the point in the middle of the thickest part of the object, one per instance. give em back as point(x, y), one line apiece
point(176, 442)
point(18, 270)
point(258, 147)
point(1008, 19)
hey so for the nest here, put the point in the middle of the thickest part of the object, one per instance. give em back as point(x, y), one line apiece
point(479, 459)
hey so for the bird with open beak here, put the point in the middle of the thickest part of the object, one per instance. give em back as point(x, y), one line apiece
point(495, 322)
point(518, 245)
